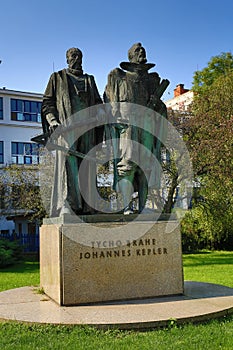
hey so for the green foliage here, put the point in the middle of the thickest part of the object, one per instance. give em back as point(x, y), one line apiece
point(10, 252)
point(209, 224)
point(209, 130)
point(22, 192)
point(199, 230)
point(218, 66)
point(209, 139)
point(208, 135)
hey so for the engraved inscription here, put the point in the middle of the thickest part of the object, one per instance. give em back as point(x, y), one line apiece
point(115, 249)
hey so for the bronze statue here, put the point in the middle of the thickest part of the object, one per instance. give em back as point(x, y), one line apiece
point(68, 92)
point(133, 84)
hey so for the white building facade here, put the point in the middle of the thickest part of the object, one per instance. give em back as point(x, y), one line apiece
point(181, 100)
point(20, 120)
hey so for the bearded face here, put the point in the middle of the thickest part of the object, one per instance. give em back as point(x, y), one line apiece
point(137, 54)
point(74, 59)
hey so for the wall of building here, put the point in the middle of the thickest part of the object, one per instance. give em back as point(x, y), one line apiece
point(181, 100)
point(15, 131)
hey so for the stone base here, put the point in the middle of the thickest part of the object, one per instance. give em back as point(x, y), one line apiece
point(88, 263)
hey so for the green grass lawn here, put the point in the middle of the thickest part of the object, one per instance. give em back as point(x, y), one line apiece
point(214, 267)
point(23, 274)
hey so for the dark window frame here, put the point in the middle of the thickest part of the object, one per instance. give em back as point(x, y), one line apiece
point(1, 108)
point(1, 152)
point(24, 153)
point(26, 110)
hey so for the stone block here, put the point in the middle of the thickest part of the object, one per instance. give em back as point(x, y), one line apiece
point(88, 263)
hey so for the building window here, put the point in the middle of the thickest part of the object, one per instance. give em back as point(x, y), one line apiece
point(1, 152)
point(24, 153)
point(22, 110)
point(1, 108)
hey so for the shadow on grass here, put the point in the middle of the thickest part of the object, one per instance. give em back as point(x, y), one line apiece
point(208, 258)
point(197, 252)
point(23, 266)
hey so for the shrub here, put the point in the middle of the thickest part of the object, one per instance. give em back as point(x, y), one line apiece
point(10, 252)
point(204, 229)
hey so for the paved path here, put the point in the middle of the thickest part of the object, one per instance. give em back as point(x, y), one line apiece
point(201, 301)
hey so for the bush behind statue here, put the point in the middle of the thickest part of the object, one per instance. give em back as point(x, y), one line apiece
point(10, 253)
point(201, 230)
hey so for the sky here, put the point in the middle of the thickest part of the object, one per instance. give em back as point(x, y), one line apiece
point(180, 37)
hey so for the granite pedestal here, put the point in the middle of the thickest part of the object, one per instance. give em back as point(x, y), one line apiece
point(85, 262)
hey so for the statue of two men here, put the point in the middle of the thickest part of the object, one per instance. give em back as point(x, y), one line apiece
point(70, 91)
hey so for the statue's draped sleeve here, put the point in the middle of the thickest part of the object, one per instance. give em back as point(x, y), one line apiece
point(49, 102)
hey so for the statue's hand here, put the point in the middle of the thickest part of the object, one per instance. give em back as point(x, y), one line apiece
point(53, 125)
point(52, 121)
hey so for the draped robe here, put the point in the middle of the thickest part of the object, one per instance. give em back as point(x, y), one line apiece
point(64, 97)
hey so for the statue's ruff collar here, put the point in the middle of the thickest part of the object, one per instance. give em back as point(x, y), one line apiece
point(136, 67)
point(76, 72)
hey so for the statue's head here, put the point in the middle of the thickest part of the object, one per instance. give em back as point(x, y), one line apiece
point(137, 54)
point(74, 58)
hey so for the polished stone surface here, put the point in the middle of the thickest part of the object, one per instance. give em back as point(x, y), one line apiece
point(201, 301)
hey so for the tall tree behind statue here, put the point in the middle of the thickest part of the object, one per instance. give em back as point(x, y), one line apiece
point(209, 134)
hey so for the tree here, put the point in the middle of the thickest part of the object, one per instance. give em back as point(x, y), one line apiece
point(209, 138)
point(19, 186)
point(217, 66)
point(210, 128)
